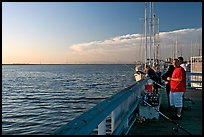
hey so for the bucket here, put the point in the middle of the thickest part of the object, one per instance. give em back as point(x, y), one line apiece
point(148, 88)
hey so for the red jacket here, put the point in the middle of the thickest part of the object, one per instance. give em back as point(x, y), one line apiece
point(179, 73)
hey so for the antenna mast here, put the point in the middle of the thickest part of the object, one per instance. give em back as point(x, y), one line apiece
point(153, 34)
point(150, 32)
point(176, 48)
point(157, 47)
point(145, 27)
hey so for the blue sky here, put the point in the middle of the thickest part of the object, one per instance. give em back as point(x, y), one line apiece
point(50, 29)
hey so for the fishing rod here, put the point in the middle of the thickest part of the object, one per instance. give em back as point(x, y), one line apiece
point(143, 73)
point(174, 129)
point(159, 84)
point(129, 67)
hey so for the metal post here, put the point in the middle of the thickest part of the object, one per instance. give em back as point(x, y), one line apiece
point(102, 128)
point(126, 106)
point(150, 33)
point(158, 42)
point(188, 79)
point(153, 35)
point(113, 120)
point(176, 47)
point(145, 27)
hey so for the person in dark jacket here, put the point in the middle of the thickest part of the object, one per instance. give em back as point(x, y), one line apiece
point(153, 75)
point(167, 82)
point(156, 68)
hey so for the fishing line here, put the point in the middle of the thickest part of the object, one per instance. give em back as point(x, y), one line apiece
point(129, 67)
point(178, 126)
point(143, 73)
point(140, 72)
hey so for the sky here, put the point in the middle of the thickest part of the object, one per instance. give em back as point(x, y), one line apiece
point(95, 32)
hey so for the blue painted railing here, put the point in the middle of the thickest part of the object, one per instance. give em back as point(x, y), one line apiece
point(193, 80)
point(119, 107)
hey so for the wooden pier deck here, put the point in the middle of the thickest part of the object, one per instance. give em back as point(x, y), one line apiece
point(191, 119)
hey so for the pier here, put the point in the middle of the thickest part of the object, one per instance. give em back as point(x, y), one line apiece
point(191, 118)
point(118, 115)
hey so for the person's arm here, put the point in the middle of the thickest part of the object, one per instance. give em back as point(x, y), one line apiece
point(179, 79)
point(147, 73)
point(166, 82)
point(174, 79)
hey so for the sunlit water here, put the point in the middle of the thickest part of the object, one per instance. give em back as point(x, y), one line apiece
point(38, 99)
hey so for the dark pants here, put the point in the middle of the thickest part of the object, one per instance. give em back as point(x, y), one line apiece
point(155, 88)
point(167, 91)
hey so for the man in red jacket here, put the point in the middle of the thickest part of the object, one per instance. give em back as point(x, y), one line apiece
point(178, 87)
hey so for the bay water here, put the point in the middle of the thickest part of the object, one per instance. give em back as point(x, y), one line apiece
point(38, 99)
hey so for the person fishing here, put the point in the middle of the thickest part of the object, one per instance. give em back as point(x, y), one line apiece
point(178, 87)
point(156, 68)
point(168, 73)
point(152, 74)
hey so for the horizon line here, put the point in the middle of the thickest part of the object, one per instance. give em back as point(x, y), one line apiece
point(66, 64)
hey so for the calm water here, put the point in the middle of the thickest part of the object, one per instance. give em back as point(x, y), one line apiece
point(38, 99)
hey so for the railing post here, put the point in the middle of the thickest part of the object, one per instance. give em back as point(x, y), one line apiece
point(113, 120)
point(126, 106)
point(188, 79)
point(102, 128)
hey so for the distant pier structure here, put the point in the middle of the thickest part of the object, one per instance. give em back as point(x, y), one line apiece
point(196, 67)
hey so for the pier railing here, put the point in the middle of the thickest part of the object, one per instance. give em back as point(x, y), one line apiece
point(119, 109)
point(193, 80)
point(116, 114)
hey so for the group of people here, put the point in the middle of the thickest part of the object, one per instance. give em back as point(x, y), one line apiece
point(175, 81)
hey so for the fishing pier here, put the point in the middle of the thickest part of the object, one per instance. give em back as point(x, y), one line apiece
point(118, 115)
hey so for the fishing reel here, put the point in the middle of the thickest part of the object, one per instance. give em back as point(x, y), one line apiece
point(151, 98)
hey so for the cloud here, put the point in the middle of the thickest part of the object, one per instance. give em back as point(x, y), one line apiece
point(109, 44)
point(129, 48)
point(188, 42)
